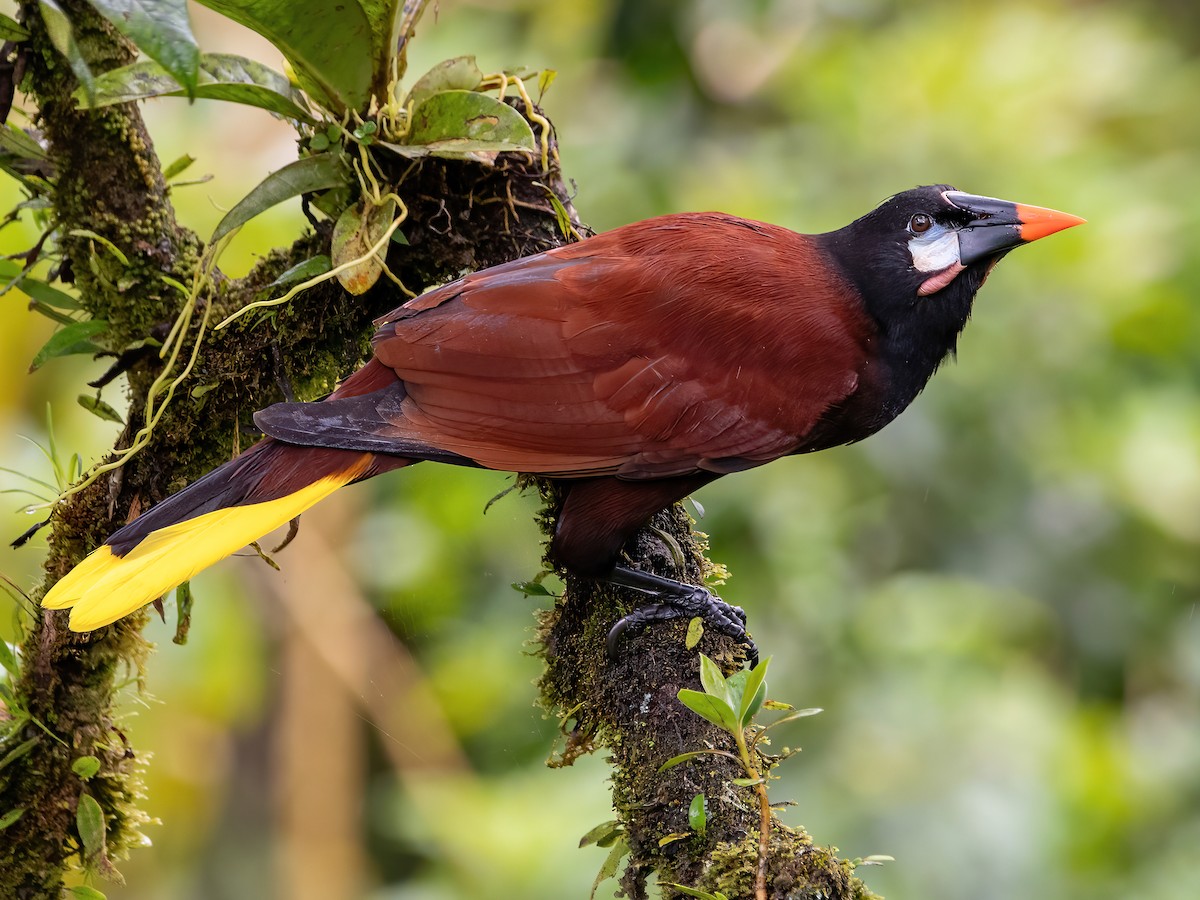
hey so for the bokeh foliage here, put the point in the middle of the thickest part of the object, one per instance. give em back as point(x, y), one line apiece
point(994, 600)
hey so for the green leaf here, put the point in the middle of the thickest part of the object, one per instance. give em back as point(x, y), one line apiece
point(18, 751)
point(15, 141)
point(403, 30)
point(8, 658)
point(713, 681)
point(11, 269)
point(747, 782)
point(39, 290)
point(532, 589)
point(50, 313)
point(754, 693)
point(143, 342)
point(567, 229)
point(83, 892)
point(303, 271)
point(385, 18)
point(798, 714)
point(99, 408)
point(611, 863)
point(161, 29)
point(330, 46)
point(222, 76)
point(673, 837)
point(458, 74)
point(666, 537)
point(11, 30)
point(739, 695)
point(714, 709)
point(85, 766)
point(333, 201)
point(72, 339)
point(11, 816)
point(752, 703)
point(313, 173)
point(603, 834)
point(183, 607)
point(465, 124)
point(695, 631)
point(103, 241)
point(357, 230)
point(89, 821)
point(692, 754)
point(697, 816)
point(62, 36)
point(178, 167)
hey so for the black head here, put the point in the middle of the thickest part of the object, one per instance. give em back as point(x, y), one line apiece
point(918, 260)
point(920, 243)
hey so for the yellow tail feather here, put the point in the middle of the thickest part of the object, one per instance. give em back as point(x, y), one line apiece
point(105, 587)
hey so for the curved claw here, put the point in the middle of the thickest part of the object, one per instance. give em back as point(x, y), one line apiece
point(643, 615)
point(614, 637)
point(676, 599)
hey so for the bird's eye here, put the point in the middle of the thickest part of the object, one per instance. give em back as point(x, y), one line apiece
point(920, 223)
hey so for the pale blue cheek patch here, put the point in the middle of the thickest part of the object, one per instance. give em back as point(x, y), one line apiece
point(934, 250)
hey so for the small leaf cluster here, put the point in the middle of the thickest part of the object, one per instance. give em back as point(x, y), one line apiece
point(445, 114)
point(340, 91)
point(731, 704)
point(611, 835)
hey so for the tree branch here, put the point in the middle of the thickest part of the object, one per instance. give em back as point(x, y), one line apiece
point(630, 708)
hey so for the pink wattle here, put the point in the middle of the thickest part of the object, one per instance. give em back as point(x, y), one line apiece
point(940, 280)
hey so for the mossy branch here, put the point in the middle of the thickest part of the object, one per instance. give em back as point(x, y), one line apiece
point(630, 708)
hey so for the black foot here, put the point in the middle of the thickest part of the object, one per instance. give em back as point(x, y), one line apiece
point(675, 599)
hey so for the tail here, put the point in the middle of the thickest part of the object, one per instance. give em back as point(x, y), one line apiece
point(239, 502)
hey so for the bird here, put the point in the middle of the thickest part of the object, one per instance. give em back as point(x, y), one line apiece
point(632, 367)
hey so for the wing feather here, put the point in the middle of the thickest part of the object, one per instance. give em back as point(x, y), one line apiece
point(679, 345)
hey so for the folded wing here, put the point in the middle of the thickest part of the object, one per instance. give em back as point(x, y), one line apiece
point(631, 354)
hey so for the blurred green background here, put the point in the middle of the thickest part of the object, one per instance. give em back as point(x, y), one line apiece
point(995, 600)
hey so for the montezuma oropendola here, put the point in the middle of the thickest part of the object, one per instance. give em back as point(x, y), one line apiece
point(634, 366)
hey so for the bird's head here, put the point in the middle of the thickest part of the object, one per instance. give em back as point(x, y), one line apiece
point(925, 252)
point(918, 243)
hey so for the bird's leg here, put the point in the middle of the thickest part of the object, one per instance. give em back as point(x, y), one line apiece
point(672, 600)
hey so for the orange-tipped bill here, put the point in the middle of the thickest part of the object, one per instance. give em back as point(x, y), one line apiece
point(1039, 222)
point(997, 226)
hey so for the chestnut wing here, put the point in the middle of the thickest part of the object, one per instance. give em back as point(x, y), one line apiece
point(673, 346)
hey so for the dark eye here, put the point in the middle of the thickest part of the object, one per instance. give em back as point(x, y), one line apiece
point(920, 223)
